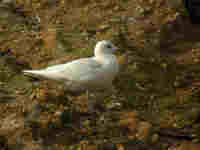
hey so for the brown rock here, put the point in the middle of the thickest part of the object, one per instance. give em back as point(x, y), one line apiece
point(129, 121)
point(11, 124)
point(143, 130)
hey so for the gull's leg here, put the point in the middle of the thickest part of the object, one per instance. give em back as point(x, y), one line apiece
point(106, 99)
point(91, 102)
point(99, 99)
point(87, 94)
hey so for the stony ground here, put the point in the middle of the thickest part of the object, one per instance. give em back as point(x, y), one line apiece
point(155, 100)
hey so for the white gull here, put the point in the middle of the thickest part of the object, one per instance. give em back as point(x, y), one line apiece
point(95, 72)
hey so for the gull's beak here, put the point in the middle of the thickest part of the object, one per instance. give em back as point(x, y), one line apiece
point(115, 48)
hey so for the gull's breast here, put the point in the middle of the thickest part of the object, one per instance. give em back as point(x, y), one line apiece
point(110, 68)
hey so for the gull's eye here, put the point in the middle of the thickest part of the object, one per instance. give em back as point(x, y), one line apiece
point(109, 46)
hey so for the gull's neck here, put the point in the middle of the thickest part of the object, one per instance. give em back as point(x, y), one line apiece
point(101, 56)
point(98, 52)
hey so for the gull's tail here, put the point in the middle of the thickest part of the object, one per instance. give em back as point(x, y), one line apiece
point(36, 72)
point(45, 73)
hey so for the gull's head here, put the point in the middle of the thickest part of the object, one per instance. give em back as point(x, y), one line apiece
point(104, 47)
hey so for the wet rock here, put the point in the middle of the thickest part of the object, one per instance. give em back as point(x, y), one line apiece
point(3, 143)
point(192, 7)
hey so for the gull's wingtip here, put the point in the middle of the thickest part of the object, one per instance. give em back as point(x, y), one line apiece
point(26, 71)
point(31, 72)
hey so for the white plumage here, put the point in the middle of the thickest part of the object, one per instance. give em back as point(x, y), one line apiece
point(86, 73)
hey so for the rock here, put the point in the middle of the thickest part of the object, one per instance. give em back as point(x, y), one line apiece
point(193, 8)
point(130, 121)
point(188, 146)
point(11, 124)
point(143, 130)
